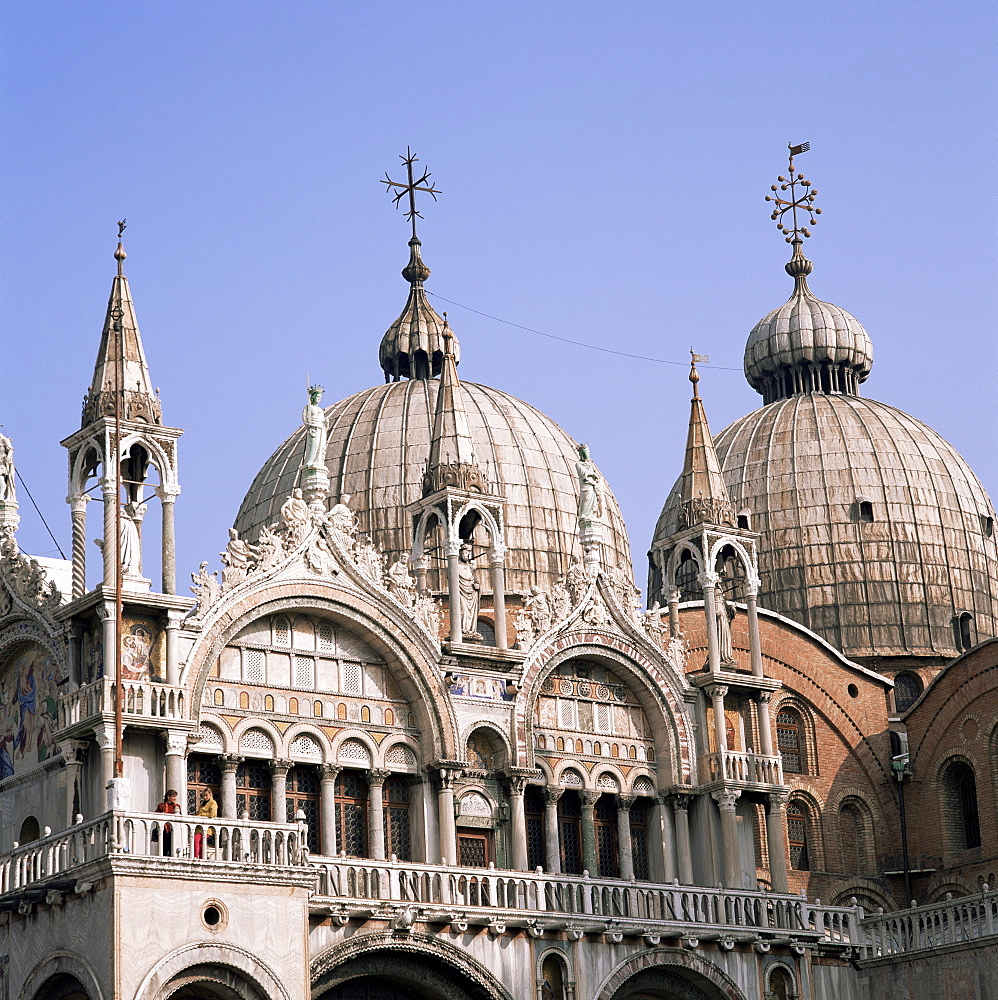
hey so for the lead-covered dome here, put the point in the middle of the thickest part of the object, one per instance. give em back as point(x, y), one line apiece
point(378, 441)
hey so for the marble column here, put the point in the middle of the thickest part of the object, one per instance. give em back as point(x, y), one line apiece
point(445, 815)
point(327, 809)
point(498, 572)
point(279, 790)
point(674, 613)
point(776, 840)
point(755, 644)
point(762, 699)
point(175, 748)
point(454, 591)
point(104, 735)
point(172, 629)
point(716, 693)
point(78, 508)
point(590, 859)
point(552, 844)
point(625, 849)
point(708, 581)
point(518, 824)
point(72, 755)
point(105, 611)
point(168, 496)
point(227, 803)
point(75, 632)
point(376, 813)
point(726, 800)
point(662, 849)
point(110, 549)
point(684, 853)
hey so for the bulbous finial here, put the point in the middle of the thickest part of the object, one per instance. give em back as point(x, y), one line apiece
point(415, 272)
point(119, 254)
point(694, 374)
point(798, 266)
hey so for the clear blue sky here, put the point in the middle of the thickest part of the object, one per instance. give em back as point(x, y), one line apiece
point(603, 169)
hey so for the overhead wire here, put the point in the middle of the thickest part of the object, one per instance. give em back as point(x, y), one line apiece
point(20, 479)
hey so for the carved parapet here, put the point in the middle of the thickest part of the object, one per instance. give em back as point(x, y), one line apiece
point(459, 475)
point(707, 510)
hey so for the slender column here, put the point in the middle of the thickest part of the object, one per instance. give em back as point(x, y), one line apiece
point(105, 612)
point(168, 496)
point(552, 845)
point(499, 596)
point(279, 790)
point(726, 799)
point(445, 815)
point(717, 693)
point(110, 549)
point(776, 840)
point(664, 862)
point(75, 656)
point(376, 813)
point(72, 755)
point(104, 735)
point(708, 581)
point(518, 824)
point(625, 850)
point(454, 591)
point(419, 569)
point(227, 805)
point(173, 646)
point(327, 808)
point(755, 644)
point(684, 854)
point(674, 613)
point(590, 861)
point(763, 698)
point(175, 745)
point(78, 508)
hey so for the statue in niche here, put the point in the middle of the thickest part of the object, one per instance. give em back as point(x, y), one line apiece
point(724, 615)
point(538, 606)
point(6, 470)
point(314, 419)
point(400, 582)
point(238, 560)
point(590, 486)
point(296, 518)
point(341, 518)
point(470, 592)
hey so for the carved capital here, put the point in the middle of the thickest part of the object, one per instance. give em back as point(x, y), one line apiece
point(229, 764)
point(78, 503)
point(589, 797)
point(680, 801)
point(624, 802)
point(377, 777)
point(716, 691)
point(73, 751)
point(778, 800)
point(708, 580)
point(330, 772)
point(726, 798)
point(168, 493)
point(764, 697)
point(552, 795)
point(104, 735)
point(517, 784)
point(174, 741)
point(280, 768)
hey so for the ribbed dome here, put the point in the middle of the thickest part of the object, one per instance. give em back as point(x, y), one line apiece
point(378, 441)
point(806, 344)
point(812, 470)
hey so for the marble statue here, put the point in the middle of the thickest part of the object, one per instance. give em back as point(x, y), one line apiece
point(576, 581)
point(590, 486)
point(314, 419)
point(524, 626)
point(296, 518)
point(724, 614)
point(470, 592)
point(538, 606)
point(341, 518)
point(130, 553)
point(238, 560)
point(400, 582)
point(205, 587)
point(6, 470)
point(653, 623)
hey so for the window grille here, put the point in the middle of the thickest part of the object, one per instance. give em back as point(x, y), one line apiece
point(209, 736)
point(788, 741)
point(304, 672)
point(253, 666)
point(355, 751)
point(473, 851)
point(351, 814)
point(282, 631)
point(605, 819)
point(351, 678)
point(401, 756)
point(253, 791)
point(305, 746)
point(567, 713)
point(607, 781)
point(257, 740)
point(639, 839)
point(570, 830)
point(604, 718)
point(570, 778)
point(396, 813)
point(907, 688)
point(533, 808)
point(797, 837)
point(643, 786)
point(325, 638)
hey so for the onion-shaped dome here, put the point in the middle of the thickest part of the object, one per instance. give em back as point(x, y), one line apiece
point(874, 531)
point(378, 442)
point(806, 344)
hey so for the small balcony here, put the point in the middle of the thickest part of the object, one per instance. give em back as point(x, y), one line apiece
point(742, 769)
point(142, 700)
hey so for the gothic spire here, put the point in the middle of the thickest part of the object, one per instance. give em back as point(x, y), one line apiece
point(139, 401)
point(452, 459)
point(703, 494)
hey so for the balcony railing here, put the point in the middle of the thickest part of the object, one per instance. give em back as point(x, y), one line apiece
point(746, 768)
point(140, 699)
point(144, 835)
point(923, 928)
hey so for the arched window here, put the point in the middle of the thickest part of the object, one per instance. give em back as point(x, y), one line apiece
point(864, 511)
point(570, 833)
point(797, 831)
point(605, 819)
point(781, 985)
point(687, 577)
point(303, 794)
point(202, 772)
point(907, 688)
point(533, 808)
point(396, 810)
point(253, 790)
point(351, 814)
point(552, 979)
point(487, 632)
point(852, 835)
point(639, 838)
point(961, 788)
point(29, 831)
point(965, 629)
point(789, 740)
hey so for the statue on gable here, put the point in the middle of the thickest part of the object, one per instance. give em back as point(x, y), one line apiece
point(590, 487)
point(524, 629)
point(470, 592)
point(205, 587)
point(576, 581)
point(7, 474)
point(400, 582)
point(296, 519)
point(314, 419)
point(652, 621)
point(238, 560)
point(341, 518)
point(538, 606)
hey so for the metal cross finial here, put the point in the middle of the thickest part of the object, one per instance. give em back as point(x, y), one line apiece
point(410, 189)
point(801, 197)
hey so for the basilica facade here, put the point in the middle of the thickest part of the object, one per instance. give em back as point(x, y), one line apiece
point(425, 741)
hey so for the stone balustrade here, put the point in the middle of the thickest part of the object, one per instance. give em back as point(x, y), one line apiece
point(924, 928)
point(142, 699)
point(536, 896)
point(747, 768)
point(144, 835)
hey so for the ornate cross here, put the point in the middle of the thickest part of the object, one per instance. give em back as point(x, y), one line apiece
point(410, 189)
point(802, 199)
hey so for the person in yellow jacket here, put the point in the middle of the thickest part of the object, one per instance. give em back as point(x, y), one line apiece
point(208, 809)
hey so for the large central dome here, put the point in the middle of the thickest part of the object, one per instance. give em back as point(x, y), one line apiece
point(378, 443)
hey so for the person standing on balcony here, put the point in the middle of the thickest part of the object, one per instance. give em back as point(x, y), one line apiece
point(208, 809)
point(168, 805)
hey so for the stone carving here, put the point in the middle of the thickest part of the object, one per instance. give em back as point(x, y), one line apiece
point(296, 519)
point(369, 560)
point(270, 548)
point(524, 626)
point(596, 613)
point(341, 518)
point(6, 470)
point(470, 592)
point(314, 419)
point(576, 582)
point(238, 560)
point(724, 614)
point(205, 588)
point(651, 620)
point(25, 579)
point(319, 556)
point(429, 614)
point(538, 606)
point(590, 486)
point(400, 583)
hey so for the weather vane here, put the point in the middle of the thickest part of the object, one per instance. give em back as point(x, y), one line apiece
point(410, 189)
point(801, 197)
point(121, 228)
